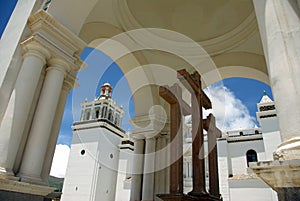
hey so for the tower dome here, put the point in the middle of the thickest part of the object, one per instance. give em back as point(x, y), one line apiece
point(106, 91)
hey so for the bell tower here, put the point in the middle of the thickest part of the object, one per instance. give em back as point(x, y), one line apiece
point(92, 169)
point(267, 118)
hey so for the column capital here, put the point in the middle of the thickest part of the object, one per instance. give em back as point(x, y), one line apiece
point(58, 64)
point(149, 126)
point(138, 137)
point(147, 139)
point(69, 82)
point(31, 47)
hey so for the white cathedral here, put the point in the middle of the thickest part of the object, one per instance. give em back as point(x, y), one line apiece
point(101, 157)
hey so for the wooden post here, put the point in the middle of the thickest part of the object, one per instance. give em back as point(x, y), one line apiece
point(212, 134)
point(199, 100)
point(173, 96)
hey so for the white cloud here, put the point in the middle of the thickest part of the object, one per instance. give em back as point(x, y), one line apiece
point(60, 161)
point(230, 112)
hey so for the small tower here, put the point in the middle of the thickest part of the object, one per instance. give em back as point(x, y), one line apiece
point(106, 91)
point(103, 107)
point(93, 165)
point(267, 118)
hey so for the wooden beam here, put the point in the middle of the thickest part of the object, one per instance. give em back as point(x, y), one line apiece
point(193, 84)
point(212, 134)
point(167, 95)
point(173, 95)
point(210, 123)
point(170, 94)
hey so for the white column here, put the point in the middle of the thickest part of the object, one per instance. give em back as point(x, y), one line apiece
point(35, 150)
point(279, 25)
point(149, 168)
point(190, 169)
point(168, 163)
point(186, 166)
point(137, 170)
point(9, 47)
point(67, 86)
point(14, 121)
point(158, 179)
point(160, 165)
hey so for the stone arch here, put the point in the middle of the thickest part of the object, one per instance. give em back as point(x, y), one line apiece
point(232, 64)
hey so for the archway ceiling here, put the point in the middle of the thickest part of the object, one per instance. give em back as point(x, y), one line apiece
point(199, 20)
point(226, 29)
point(220, 27)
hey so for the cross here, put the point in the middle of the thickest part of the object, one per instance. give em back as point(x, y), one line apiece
point(199, 99)
point(213, 133)
point(173, 96)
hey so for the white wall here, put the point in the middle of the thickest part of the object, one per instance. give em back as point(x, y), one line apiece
point(237, 153)
point(271, 135)
point(125, 168)
point(271, 142)
point(269, 124)
point(223, 169)
point(251, 190)
point(92, 176)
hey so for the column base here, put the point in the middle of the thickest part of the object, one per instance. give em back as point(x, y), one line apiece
point(288, 150)
point(184, 197)
point(32, 180)
point(281, 176)
point(15, 190)
point(7, 174)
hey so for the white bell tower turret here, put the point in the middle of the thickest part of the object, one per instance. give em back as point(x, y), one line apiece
point(93, 165)
point(267, 118)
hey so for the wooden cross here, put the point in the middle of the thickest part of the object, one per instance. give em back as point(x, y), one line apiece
point(213, 133)
point(173, 95)
point(199, 99)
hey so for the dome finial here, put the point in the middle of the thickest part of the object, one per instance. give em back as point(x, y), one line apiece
point(265, 93)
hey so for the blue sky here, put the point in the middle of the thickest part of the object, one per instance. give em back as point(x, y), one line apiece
point(6, 8)
point(102, 69)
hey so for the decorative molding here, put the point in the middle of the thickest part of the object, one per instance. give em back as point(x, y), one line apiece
point(61, 42)
point(69, 82)
point(99, 123)
point(31, 47)
point(149, 125)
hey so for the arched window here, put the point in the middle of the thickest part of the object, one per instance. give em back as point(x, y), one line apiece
point(87, 117)
point(104, 111)
point(251, 156)
point(82, 115)
point(110, 115)
point(97, 114)
point(116, 122)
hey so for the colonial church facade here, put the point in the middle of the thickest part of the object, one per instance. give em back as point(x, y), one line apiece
point(237, 149)
point(101, 157)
